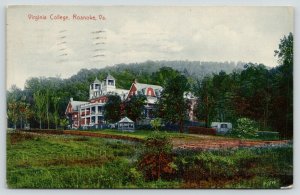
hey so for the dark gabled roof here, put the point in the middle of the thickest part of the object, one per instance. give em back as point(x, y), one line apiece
point(109, 77)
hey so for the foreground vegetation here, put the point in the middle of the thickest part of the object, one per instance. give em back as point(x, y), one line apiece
point(61, 161)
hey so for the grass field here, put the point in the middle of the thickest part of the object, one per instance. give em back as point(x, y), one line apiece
point(64, 161)
point(139, 133)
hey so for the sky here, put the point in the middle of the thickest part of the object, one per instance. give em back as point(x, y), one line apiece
point(55, 47)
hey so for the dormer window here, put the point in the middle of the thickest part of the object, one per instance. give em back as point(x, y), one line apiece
point(144, 91)
point(111, 82)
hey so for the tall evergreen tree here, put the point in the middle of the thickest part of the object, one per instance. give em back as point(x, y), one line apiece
point(112, 109)
point(205, 108)
point(134, 107)
point(40, 102)
point(55, 102)
point(173, 106)
point(283, 80)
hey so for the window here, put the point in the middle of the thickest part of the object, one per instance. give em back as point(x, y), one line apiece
point(111, 82)
point(143, 91)
point(223, 125)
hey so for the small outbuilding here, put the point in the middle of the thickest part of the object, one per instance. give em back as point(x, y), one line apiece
point(222, 127)
point(125, 124)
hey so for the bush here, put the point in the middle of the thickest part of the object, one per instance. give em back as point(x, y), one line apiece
point(135, 177)
point(245, 128)
point(156, 158)
point(156, 123)
point(202, 130)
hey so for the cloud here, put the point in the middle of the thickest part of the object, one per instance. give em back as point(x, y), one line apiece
point(135, 34)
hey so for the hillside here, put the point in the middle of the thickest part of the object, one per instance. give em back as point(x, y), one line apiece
point(77, 86)
point(125, 73)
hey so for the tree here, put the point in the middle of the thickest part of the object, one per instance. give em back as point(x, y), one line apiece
point(22, 110)
point(285, 51)
point(112, 109)
point(55, 101)
point(40, 102)
point(172, 106)
point(283, 80)
point(12, 112)
point(164, 74)
point(134, 107)
point(156, 158)
point(254, 93)
point(205, 107)
point(27, 113)
point(47, 106)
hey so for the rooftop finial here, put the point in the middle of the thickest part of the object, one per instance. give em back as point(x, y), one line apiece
point(96, 80)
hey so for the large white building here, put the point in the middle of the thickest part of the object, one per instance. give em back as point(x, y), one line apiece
point(90, 114)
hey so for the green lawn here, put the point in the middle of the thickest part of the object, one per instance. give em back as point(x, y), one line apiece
point(142, 134)
point(61, 161)
point(138, 133)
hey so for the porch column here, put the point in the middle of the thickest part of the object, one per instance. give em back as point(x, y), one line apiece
point(85, 116)
point(96, 114)
point(96, 109)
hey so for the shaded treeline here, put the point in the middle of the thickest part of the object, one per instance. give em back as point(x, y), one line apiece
point(261, 94)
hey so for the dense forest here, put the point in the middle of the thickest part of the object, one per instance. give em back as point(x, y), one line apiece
point(225, 91)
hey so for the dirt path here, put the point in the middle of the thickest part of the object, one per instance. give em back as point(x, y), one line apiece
point(210, 142)
point(83, 133)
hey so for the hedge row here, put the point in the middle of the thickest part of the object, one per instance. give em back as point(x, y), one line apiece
point(202, 130)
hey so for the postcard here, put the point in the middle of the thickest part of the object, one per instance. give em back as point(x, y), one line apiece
point(149, 97)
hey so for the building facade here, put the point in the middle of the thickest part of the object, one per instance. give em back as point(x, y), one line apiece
point(90, 114)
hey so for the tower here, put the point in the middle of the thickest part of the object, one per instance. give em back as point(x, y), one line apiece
point(95, 89)
point(109, 84)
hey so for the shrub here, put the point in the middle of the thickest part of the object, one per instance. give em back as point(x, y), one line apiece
point(135, 176)
point(156, 159)
point(64, 123)
point(245, 128)
point(156, 124)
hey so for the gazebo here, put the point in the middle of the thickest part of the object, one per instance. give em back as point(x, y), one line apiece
point(125, 124)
